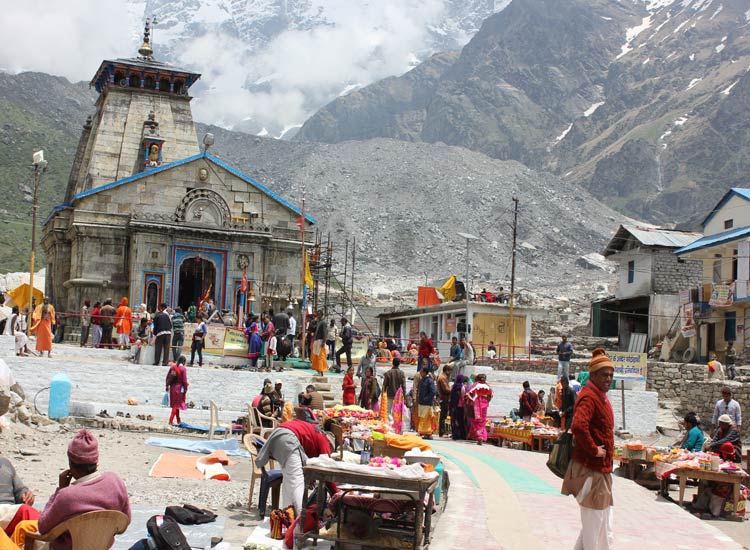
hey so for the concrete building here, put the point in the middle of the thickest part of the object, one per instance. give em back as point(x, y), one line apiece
point(150, 216)
point(650, 278)
point(720, 303)
point(488, 322)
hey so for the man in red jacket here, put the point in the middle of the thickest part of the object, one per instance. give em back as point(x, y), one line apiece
point(426, 351)
point(589, 475)
point(291, 444)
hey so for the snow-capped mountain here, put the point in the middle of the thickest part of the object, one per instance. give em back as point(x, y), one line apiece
point(269, 64)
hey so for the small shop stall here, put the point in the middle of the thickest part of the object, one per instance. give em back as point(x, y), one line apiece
point(383, 504)
point(637, 457)
point(534, 435)
point(721, 483)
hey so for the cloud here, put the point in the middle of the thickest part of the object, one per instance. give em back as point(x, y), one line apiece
point(67, 38)
point(276, 84)
point(300, 70)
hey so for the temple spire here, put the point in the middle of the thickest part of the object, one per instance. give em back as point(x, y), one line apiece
point(146, 50)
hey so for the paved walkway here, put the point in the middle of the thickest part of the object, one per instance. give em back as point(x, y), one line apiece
point(518, 499)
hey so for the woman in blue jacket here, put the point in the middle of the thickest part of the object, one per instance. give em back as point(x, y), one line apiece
point(695, 438)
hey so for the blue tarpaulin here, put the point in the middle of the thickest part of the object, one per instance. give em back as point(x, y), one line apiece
point(230, 446)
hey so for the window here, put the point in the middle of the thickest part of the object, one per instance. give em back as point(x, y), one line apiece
point(730, 326)
point(728, 224)
point(734, 265)
point(164, 85)
point(631, 271)
point(717, 270)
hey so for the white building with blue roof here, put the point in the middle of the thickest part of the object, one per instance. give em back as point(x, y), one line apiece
point(721, 301)
point(150, 216)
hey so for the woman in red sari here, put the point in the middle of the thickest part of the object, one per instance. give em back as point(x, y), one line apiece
point(479, 396)
point(177, 386)
point(349, 387)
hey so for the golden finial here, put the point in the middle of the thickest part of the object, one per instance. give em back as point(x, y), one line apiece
point(145, 50)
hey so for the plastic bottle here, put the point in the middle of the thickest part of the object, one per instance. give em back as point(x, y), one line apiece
point(59, 396)
point(439, 489)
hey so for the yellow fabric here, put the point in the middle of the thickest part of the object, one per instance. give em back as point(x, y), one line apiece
point(407, 442)
point(20, 296)
point(426, 424)
point(287, 413)
point(308, 275)
point(6, 543)
point(319, 362)
point(448, 290)
point(23, 527)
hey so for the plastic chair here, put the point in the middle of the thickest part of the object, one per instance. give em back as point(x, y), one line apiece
point(265, 430)
point(87, 531)
point(216, 423)
point(255, 427)
point(269, 479)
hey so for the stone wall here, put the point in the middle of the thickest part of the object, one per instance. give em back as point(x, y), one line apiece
point(669, 275)
point(690, 385)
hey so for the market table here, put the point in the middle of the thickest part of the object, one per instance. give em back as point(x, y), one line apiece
point(414, 489)
point(512, 434)
point(735, 478)
point(631, 463)
point(539, 439)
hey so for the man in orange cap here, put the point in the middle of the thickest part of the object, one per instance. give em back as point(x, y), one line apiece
point(589, 475)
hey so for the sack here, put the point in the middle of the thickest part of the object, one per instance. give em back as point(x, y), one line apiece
point(166, 533)
point(165, 399)
point(559, 456)
point(280, 521)
point(187, 514)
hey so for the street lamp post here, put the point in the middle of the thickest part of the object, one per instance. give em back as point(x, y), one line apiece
point(469, 237)
point(39, 166)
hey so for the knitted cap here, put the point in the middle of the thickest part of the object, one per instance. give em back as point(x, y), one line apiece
point(725, 419)
point(599, 360)
point(84, 449)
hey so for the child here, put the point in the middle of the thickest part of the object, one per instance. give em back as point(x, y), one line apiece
point(270, 352)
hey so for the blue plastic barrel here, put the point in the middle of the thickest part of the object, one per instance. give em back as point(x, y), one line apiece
point(59, 396)
point(438, 491)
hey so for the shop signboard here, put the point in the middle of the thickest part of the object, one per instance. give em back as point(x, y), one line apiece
point(688, 321)
point(721, 295)
point(413, 328)
point(213, 343)
point(450, 324)
point(235, 344)
point(684, 297)
point(629, 365)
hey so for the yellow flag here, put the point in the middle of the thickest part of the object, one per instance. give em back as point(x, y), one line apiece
point(448, 290)
point(308, 275)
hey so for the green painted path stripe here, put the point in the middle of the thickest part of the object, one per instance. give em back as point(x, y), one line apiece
point(519, 479)
point(464, 468)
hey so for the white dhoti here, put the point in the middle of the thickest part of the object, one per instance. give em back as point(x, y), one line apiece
point(593, 492)
point(293, 484)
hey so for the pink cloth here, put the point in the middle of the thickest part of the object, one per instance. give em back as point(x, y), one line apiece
point(106, 492)
point(84, 449)
point(479, 422)
point(178, 387)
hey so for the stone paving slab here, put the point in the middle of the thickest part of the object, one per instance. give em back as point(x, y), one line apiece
point(642, 519)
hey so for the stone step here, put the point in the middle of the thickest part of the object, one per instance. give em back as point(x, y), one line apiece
point(327, 396)
point(323, 387)
point(319, 379)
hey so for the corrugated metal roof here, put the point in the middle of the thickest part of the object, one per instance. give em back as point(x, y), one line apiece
point(713, 240)
point(650, 235)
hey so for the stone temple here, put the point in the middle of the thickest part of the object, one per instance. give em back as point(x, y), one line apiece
point(151, 216)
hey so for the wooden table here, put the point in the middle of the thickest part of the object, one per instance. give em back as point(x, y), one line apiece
point(632, 463)
point(537, 441)
point(722, 477)
point(415, 489)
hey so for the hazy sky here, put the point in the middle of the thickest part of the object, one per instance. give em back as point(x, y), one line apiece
point(302, 69)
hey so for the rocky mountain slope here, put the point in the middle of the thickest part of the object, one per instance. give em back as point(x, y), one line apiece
point(403, 202)
point(641, 102)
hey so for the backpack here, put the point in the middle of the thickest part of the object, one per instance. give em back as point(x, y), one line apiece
point(187, 514)
point(166, 533)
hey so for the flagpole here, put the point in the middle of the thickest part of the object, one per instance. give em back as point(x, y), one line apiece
point(304, 286)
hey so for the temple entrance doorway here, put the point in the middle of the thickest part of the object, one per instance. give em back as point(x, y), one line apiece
point(197, 280)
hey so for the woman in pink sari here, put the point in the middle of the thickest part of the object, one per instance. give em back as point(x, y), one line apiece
point(177, 386)
point(479, 396)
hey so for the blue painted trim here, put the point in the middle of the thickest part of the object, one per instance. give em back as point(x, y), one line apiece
point(258, 186)
point(734, 191)
point(714, 240)
point(203, 155)
point(56, 209)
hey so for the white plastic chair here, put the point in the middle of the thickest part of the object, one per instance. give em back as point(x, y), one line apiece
point(216, 423)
